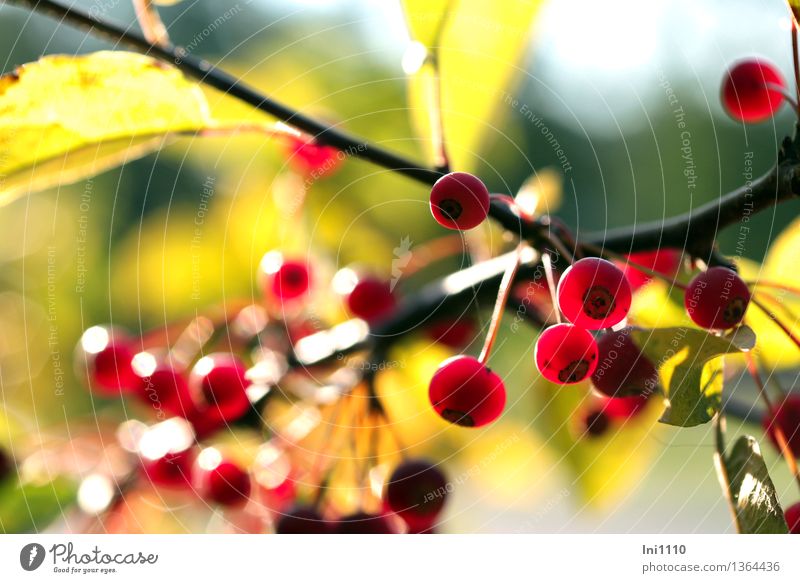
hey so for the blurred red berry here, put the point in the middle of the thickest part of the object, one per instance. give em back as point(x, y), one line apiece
point(218, 381)
point(717, 299)
point(226, 484)
point(363, 523)
point(371, 299)
point(596, 423)
point(172, 470)
point(284, 279)
point(455, 334)
point(667, 262)
point(107, 353)
point(785, 416)
point(792, 515)
point(622, 370)
point(308, 157)
point(303, 520)
point(416, 491)
point(163, 386)
point(623, 408)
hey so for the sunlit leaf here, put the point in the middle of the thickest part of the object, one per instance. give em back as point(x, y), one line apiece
point(31, 507)
point(794, 5)
point(749, 489)
point(479, 56)
point(690, 371)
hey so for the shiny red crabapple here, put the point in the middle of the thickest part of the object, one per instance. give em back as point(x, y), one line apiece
point(107, 353)
point(218, 381)
point(716, 299)
point(792, 515)
point(371, 299)
point(593, 293)
point(622, 370)
point(302, 520)
point(459, 201)
point(284, 279)
point(785, 416)
point(309, 157)
point(226, 483)
point(663, 261)
point(416, 491)
point(162, 385)
point(172, 469)
point(465, 392)
point(751, 90)
point(565, 354)
point(623, 408)
point(364, 523)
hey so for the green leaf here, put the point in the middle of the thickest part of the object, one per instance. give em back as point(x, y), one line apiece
point(478, 56)
point(63, 118)
point(749, 489)
point(689, 368)
point(31, 507)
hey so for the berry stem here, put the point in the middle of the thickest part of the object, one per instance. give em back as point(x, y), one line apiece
point(786, 451)
point(502, 297)
point(551, 284)
point(777, 321)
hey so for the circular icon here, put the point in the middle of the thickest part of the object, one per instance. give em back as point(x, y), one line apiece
point(31, 556)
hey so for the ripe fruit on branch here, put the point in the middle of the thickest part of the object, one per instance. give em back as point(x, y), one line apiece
point(663, 261)
point(162, 385)
point(284, 279)
point(364, 523)
point(302, 520)
point(785, 416)
point(565, 354)
point(221, 481)
point(751, 90)
point(366, 296)
point(107, 353)
point(716, 299)
point(465, 392)
point(622, 370)
point(309, 157)
point(459, 201)
point(218, 382)
point(593, 293)
point(416, 491)
point(792, 515)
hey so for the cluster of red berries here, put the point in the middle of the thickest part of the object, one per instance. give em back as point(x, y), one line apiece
point(415, 493)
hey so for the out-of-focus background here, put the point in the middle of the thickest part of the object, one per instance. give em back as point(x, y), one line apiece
point(604, 83)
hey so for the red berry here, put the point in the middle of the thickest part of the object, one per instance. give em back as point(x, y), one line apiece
point(416, 491)
point(785, 416)
point(565, 354)
point(459, 201)
point(225, 483)
point(302, 520)
point(465, 392)
point(596, 423)
point(284, 279)
point(663, 261)
point(371, 299)
point(593, 293)
point(364, 523)
point(751, 90)
point(717, 299)
point(622, 370)
point(218, 380)
point(623, 408)
point(308, 157)
point(163, 386)
point(108, 353)
point(172, 470)
point(793, 518)
point(455, 334)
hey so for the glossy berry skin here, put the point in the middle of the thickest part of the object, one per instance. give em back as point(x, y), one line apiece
point(746, 94)
point(172, 470)
point(717, 299)
point(108, 353)
point(565, 354)
point(663, 261)
point(218, 382)
point(792, 515)
point(593, 293)
point(285, 279)
point(596, 423)
point(416, 491)
point(465, 392)
point(227, 484)
point(308, 157)
point(785, 416)
point(302, 520)
point(459, 201)
point(623, 408)
point(371, 299)
point(622, 370)
point(363, 523)
point(164, 387)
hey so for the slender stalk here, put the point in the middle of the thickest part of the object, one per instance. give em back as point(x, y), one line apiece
point(551, 284)
point(777, 321)
point(152, 26)
point(503, 292)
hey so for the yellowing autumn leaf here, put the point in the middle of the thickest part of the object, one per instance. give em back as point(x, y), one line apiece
point(66, 117)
